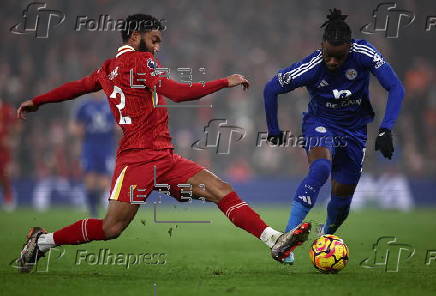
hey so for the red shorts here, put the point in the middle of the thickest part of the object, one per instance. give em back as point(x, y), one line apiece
point(139, 171)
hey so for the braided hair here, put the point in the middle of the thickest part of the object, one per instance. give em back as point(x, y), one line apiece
point(337, 31)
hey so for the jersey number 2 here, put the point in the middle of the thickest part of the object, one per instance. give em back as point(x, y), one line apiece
point(121, 105)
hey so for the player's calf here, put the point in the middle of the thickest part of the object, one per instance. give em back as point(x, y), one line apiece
point(243, 216)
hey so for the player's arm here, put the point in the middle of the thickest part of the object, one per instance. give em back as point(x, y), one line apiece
point(180, 92)
point(151, 76)
point(67, 91)
point(389, 80)
point(286, 80)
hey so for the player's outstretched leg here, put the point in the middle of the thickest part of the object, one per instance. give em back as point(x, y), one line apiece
point(38, 241)
point(243, 216)
point(339, 206)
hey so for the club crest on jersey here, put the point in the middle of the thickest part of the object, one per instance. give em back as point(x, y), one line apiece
point(113, 74)
point(351, 74)
point(284, 78)
point(151, 64)
point(321, 129)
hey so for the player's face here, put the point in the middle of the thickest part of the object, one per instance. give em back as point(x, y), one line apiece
point(150, 41)
point(334, 55)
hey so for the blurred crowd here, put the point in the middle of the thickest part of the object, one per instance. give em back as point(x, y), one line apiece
point(254, 38)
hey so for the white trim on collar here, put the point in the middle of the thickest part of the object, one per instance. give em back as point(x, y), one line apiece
point(123, 49)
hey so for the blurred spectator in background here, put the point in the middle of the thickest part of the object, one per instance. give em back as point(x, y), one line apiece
point(94, 125)
point(8, 132)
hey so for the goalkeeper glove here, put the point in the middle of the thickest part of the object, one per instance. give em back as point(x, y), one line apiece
point(384, 142)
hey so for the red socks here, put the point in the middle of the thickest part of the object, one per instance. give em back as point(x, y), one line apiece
point(231, 205)
point(241, 214)
point(81, 232)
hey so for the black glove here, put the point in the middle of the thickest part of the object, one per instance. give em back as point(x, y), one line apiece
point(384, 142)
point(276, 140)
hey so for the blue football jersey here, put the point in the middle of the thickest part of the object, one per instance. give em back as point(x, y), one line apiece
point(99, 125)
point(338, 97)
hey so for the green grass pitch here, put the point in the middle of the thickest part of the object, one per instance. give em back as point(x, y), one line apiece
point(219, 259)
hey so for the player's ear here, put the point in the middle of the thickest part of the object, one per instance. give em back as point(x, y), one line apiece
point(135, 37)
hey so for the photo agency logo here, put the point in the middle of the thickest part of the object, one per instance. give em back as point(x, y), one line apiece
point(293, 141)
point(38, 20)
point(54, 254)
point(106, 257)
point(218, 134)
point(106, 23)
point(389, 19)
point(388, 254)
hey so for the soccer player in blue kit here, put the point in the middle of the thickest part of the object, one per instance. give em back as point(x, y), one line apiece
point(94, 123)
point(336, 77)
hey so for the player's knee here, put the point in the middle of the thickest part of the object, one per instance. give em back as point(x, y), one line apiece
point(220, 190)
point(113, 230)
point(343, 190)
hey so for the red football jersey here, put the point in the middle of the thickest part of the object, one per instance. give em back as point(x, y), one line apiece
point(129, 80)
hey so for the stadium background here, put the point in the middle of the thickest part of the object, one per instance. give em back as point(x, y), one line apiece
point(254, 38)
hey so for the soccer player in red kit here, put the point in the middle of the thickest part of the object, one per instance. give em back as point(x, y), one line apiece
point(136, 89)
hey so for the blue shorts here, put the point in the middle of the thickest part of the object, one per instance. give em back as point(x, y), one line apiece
point(346, 146)
point(100, 162)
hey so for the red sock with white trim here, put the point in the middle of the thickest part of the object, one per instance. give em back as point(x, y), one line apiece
point(81, 232)
point(241, 214)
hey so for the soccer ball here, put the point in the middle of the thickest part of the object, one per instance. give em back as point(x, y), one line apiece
point(329, 254)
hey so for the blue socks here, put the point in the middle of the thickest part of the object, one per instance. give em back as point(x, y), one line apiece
point(308, 190)
point(298, 213)
point(337, 211)
point(93, 198)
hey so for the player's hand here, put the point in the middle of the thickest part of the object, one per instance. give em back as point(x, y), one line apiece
point(237, 79)
point(384, 143)
point(26, 107)
point(275, 139)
